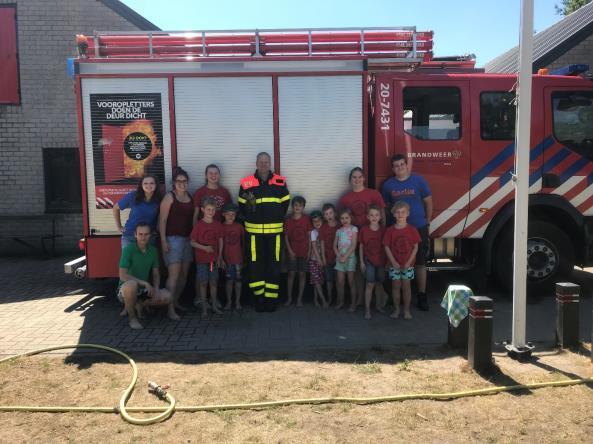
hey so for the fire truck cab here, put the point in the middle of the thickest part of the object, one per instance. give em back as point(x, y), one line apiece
point(458, 130)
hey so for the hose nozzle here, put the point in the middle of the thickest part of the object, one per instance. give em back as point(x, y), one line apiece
point(157, 390)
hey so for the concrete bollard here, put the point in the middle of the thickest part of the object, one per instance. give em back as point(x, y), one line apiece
point(479, 353)
point(567, 314)
point(457, 336)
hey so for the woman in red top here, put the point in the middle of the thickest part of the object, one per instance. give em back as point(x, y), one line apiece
point(212, 189)
point(175, 225)
point(359, 199)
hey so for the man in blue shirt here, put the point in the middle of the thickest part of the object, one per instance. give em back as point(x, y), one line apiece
point(414, 190)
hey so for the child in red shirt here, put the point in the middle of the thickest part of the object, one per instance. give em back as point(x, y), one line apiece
point(372, 255)
point(232, 254)
point(327, 235)
point(207, 240)
point(401, 245)
point(296, 236)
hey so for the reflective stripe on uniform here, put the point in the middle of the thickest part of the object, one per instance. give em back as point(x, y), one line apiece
point(272, 286)
point(241, 200)
point(277, 248)
point(258, 292)
point(274, 225)
point(257, 284)
point(253, 251)
point(267, 294)
point(264, 230)
point(272, 199)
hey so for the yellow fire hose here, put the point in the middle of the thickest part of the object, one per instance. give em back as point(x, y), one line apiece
point(166, 412)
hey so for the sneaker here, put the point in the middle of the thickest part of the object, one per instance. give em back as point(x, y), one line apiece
point(422, 302)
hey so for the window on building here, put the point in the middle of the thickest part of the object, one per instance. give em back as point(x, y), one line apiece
point(497, 115)
point(62, 180)
point(432, 113)
point(573, 120)
point(9, 72)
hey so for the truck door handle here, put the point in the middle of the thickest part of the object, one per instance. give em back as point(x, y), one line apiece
point(550, 180)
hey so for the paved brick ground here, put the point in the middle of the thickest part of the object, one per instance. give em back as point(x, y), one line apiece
point(41, 307)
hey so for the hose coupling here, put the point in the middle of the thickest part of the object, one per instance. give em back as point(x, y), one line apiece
point(157, 390)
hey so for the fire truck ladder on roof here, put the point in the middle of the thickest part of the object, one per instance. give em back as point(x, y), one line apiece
point(403, 44)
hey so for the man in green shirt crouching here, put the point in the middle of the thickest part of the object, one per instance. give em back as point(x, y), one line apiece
point(134, 291)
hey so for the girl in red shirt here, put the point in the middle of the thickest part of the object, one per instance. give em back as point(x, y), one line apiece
point(212, 189)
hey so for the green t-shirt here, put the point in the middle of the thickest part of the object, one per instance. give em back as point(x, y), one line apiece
point(139, 264)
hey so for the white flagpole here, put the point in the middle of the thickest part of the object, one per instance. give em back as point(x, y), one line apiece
point(521, 178)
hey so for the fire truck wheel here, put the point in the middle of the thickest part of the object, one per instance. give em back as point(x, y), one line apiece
point(550, 256)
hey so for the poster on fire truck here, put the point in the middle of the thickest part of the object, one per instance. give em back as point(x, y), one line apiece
point(127, 143)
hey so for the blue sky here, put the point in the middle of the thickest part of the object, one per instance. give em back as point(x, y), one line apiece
point(485, 28)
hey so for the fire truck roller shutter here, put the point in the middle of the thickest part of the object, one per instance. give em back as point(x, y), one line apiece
point(225, 121)
point(320, 134)
point(112, 109)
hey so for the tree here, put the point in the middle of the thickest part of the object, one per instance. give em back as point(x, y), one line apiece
point(569, 6)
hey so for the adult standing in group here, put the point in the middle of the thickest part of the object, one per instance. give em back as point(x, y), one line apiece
point(414, 190)
point(213, 190)
point(358, 199)
point(263, 202)
point(175, 225)
point(143, 204)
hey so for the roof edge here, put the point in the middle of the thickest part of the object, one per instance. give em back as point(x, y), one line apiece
point(558, 50)
point(130, 15)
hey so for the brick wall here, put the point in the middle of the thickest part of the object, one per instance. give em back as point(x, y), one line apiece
point(46, 117)
point(581, 53)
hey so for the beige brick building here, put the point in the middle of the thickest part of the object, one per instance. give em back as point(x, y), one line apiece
point(39, 172)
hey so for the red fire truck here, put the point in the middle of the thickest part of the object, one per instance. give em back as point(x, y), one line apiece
point(322, 101)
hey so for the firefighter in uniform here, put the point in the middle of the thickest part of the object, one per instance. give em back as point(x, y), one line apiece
point(263, 202)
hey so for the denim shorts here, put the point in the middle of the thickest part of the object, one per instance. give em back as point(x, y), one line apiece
point(349, 265)
point(404, 274)
point(233, 272)
point(373, 273)
point(179, 250)
point(207, 272)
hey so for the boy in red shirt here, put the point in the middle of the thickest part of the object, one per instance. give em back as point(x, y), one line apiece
point(401, 245)
point(372, 255)
point(207, 240)
point(232, 254)
point(296, 236)
point(327, 235)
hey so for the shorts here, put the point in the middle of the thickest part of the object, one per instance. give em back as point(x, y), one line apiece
point(330, 273)
point(207, 272)
point(233, 272)
point(373, 273)
point(180, 250)
point(297, 264)
point(423, 246)
point(315, 272)
point(403, 274)
point(141, 292)
point(349, 265)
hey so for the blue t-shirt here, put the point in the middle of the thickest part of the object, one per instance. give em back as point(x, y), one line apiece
point(139, 212)
point(413, 190)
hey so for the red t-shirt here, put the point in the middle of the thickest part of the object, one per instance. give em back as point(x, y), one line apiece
point(372, 242)
point(232, 251)
point(297, 233)
point(359, 202)
point(327, 235)
point(401, 241)
point(206, 234)
point(220, 195)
